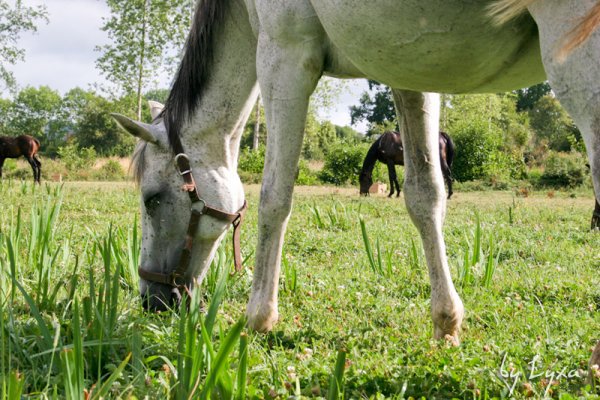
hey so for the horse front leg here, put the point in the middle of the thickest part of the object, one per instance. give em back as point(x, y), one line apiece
point(426, 202)
point(393, 179)
point(1, 165)
point(447, 177)
point(34, 168)
point(287, 77)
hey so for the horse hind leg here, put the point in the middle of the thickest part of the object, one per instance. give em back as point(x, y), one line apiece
point(596, 217)
point(39, 167)
point(426, 203)
point(1, 165)
point(576, 79)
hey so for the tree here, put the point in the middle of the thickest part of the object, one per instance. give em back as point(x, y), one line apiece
point(526, 98)
point(97, 129)
point(15, 20)
point(34, 111)
point(376, 108)
point(143, 33)
point(551, 122)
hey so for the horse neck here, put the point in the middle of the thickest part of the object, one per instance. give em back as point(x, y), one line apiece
point(213, 131)
point(371, 157)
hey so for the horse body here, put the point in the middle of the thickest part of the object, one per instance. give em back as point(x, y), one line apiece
point(418, 45)
point(388, 150)
point(21, 146)
point(413, 46)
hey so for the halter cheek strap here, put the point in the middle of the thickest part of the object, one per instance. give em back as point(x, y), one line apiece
point(198, 209)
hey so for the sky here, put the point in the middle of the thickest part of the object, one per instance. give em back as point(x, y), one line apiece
point(61, 54)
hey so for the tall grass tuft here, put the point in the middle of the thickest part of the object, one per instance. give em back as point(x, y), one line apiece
point(381, 263)
point(474, 260)
point(290, 276)
point(101, 307)
point(201, 370)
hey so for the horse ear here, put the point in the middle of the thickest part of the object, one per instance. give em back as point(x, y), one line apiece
point(155, 108)
point(137, 129)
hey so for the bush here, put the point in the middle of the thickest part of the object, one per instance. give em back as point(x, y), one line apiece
point(305, 175)
point(110, 171)
point(343, 164)
point(77, 160)
point(564, 170)
point(480, 155)
point(252, 161)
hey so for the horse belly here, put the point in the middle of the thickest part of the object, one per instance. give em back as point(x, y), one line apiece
point(433, 45)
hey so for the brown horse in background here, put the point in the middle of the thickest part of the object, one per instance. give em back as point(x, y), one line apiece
point(24, 145)
point(388, 150)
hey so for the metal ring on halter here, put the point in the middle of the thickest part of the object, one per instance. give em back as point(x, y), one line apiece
point(173, 280)
point(195, 207)
point(182, 155)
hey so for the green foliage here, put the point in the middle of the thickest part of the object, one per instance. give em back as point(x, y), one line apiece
point(111, 171)
point(551, 123)
point(528, 97)
point(98, 129)
point(305, 175)
point(343, 164)
point(474, 147)
point(16, 19)
point(347, 134)
point(252, 161)
point(77, 159)
point(565, 170)
point(488, 135)
point(35, 111)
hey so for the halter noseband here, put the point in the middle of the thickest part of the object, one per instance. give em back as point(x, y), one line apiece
point(198, 208)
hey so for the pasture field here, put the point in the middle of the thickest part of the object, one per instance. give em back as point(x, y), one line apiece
point(526, 268)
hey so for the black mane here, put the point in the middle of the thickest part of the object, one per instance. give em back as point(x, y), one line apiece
point(194, 69)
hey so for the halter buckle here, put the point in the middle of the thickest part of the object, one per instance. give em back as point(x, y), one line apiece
point(185, 156)
point(173, 277)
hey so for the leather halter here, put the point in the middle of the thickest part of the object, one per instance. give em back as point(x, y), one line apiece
point(198, 208)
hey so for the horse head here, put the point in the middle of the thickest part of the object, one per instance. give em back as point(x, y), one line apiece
point(366, 180)
point(167, 208)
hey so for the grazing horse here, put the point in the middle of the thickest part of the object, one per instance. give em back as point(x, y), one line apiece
point(24, 145)
point(388, 150)
point(285, 46)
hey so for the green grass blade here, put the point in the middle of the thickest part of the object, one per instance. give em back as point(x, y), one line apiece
point(336, 383)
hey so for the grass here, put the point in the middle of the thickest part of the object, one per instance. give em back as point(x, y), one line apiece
point(351, 325)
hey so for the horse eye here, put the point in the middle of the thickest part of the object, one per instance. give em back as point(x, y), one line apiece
point(151, 202)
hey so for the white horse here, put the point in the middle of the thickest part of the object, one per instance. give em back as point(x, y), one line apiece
point(285, 46)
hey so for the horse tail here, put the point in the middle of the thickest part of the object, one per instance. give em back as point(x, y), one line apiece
point(503, 11)
point(450, 148)
point(579, 34)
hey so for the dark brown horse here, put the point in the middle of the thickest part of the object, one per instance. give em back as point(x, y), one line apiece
point(388, 150)
point(24, 145)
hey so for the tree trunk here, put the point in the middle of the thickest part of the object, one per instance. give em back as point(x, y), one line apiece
point(256, 126)
point(140, 77)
